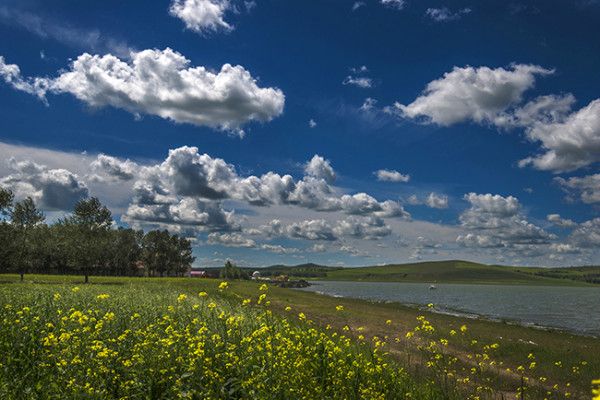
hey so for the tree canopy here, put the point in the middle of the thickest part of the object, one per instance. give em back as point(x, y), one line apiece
point(86, 242)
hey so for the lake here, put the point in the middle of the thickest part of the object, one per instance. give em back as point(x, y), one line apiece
point(576, 309)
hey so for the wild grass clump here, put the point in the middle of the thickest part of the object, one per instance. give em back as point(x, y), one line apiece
point(129, 342)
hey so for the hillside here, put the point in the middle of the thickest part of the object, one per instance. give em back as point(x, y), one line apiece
point(452, 271)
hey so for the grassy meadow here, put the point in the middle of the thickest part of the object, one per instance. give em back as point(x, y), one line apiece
point(156, 338)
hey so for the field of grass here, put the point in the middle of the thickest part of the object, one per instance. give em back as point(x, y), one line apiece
point(194, 338)
point(455, 272)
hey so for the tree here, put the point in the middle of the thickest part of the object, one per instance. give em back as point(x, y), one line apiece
point(7, 236)
point(25, 217)
point(166, 254)
point(124, 251)
point(89, 231)
point(6, 199)
point(231, 271)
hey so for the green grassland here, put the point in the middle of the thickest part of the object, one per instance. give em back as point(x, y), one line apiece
point(140, 338)
point(453, 271)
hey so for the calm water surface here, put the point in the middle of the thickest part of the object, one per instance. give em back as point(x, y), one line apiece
point(576, 309)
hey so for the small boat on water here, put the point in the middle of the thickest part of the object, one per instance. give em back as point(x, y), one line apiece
point(432, 287)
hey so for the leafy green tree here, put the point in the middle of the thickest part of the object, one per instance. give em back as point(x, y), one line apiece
point(166, 254)
point(25, 217)
point(124, 252)
point(88, 229)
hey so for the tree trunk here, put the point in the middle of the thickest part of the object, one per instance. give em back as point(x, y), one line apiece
point(87, 278)
point(22, 276)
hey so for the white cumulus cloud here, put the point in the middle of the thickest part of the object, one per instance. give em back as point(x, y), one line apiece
point(202, 16)
point(161, 83)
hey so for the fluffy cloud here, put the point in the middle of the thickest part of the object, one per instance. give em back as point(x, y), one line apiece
point(496, 221)
point(202, 15)
point(435, 200)
point(362, 228)
point(391, 176)
point(186, 173)
point(161, 83)
point(320, 168)
point(493, 204)
point(476, 94)
point(317, 229)
point(557, 220)
point(444, 14)
point(53, 189)
point(587, 234)
point(230, 240)
point(569, 143)
point(108, 168)
point(586, 187)
point(187, 212)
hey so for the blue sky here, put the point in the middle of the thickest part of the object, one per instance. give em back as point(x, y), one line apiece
point(482, 116)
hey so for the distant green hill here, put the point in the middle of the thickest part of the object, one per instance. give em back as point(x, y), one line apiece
point(452, 271)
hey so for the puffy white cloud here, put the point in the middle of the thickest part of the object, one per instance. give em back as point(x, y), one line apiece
point(391, 176)
point(189, 212)
point(444, 14)
point(53, 189)
point(312, 123)
point(495, 221)
point(587, 187)
point(570, 143)
point(202, 15)
point(557, 220)
point(161, 83)
point(435, 200)
point(108, 168)
point(362, 228)
point(185, 172)
point(233, 239)
point(396, 4)
point(564, 248)
point(543, 109)
point(587, 234)
point(318, 248)
point(474, 240)
point(472, 94)
point(320, 168)
point(493, 204)
point(316, 229)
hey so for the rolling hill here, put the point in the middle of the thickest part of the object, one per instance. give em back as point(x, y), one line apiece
point(452, 271)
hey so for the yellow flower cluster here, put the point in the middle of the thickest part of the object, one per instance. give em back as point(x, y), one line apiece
point(180, 346)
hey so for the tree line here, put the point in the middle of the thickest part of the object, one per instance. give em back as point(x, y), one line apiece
point(84, 242)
